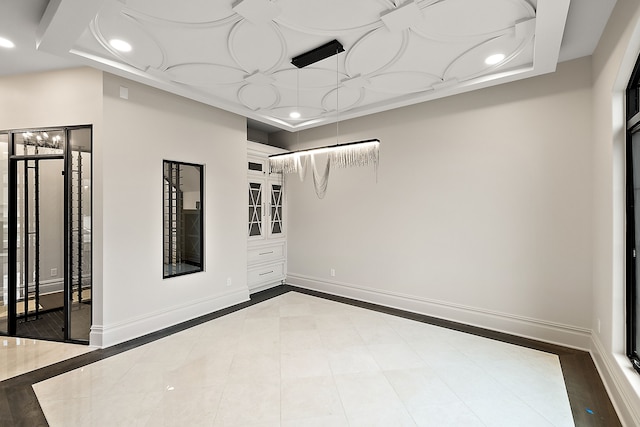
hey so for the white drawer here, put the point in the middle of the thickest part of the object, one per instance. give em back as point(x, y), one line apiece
point(266, 274)
point(265, 253)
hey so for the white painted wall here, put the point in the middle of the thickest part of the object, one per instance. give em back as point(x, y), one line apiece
point(56, 98)
point(60, 98)
point(613, 63)
point(481, 212)
point(140, 133)
point(130, 140)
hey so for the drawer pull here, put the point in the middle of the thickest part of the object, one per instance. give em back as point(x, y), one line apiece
point(266, 253)
point(264, 274)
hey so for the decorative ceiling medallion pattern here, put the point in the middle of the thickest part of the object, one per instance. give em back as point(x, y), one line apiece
point(458, 20)
point(404, 82)
point(205, 75)
point(309, 78)
point(257, 47)
point(235, 54)
point(375, 52)
point(183, 11)
point(330, 17)
point(342, 99)
point(148, 53)
point(472, 62)
point(258, 96)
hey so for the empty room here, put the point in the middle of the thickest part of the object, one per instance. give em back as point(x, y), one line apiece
point(319, 213)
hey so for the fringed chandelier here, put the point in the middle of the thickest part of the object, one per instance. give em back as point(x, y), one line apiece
point(359, 153)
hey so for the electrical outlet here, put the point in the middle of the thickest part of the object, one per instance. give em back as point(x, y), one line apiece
point(54, 272)
point(228, 281)
point(333, 272)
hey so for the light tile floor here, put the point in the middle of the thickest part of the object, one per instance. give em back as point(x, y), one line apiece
point(298, 360)
point(21, 355)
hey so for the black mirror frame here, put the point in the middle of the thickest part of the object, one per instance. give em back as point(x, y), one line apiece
point(178, 262)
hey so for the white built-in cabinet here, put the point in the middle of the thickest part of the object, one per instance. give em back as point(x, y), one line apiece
point(266, 230)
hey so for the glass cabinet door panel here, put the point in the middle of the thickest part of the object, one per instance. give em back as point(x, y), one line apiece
point(255, 209)
point(275, 217)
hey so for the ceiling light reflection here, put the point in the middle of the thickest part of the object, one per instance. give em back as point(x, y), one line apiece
point(6, 43)
point(120, 45)
point(494, 59)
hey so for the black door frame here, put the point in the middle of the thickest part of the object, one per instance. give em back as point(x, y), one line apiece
point(631, 297)
point(13, 224)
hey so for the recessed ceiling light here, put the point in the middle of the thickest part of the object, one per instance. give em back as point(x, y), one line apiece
point(294, 115)
point(6, 43)
point(120, 45)
point(494, 59)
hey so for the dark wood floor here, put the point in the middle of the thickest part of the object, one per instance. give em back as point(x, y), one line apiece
point(589, 401)
point(47, 326)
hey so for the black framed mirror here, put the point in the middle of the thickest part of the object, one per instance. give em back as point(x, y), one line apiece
point(182, 233)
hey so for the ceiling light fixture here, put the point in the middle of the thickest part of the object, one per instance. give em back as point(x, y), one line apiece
point(370, 143)
point(334, 47)
point(359, 153)
point(6, 43)
point(494, 59)
point(120, 45)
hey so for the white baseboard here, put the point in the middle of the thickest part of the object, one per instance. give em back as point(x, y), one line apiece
point(107, 335)
point(620, 380)
point(550, 332)
point(95, 336)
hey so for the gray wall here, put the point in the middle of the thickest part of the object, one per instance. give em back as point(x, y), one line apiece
point(140, 132)
point(481, 212)
point(613, 63)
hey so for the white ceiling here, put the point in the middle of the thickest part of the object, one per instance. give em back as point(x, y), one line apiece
point(236, 55)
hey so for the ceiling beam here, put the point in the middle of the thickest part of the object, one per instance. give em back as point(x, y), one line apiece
point(551, 18)
point(63, 22)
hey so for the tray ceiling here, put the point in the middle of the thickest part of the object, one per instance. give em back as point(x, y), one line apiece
point(237, 55)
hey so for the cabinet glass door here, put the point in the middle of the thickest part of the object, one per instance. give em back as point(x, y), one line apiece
point(256, 210)
point(275, 210)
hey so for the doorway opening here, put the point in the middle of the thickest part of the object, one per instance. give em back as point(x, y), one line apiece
point(45, 205)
